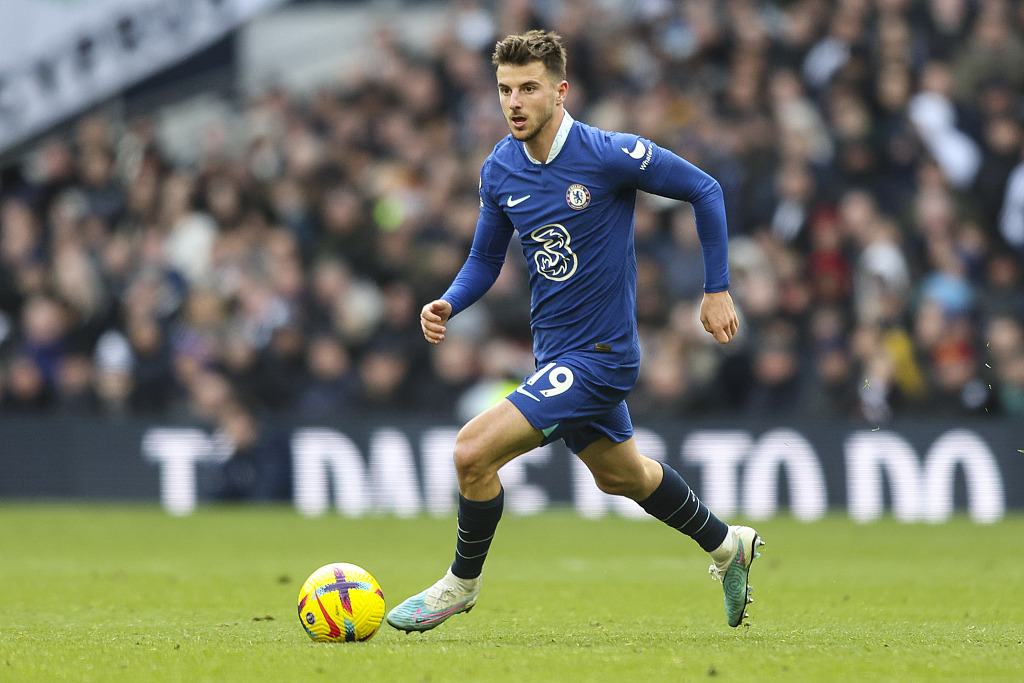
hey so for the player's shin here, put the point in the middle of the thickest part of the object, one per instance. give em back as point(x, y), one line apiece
point(478, 521)
point(675, 504)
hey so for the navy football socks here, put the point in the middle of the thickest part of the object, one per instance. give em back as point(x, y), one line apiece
point(674, 503)
point(477, 523)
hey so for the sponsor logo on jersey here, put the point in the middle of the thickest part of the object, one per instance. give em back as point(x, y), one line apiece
point(639, 152)
point(555, 258)
point(577, 196)
point(647, 159)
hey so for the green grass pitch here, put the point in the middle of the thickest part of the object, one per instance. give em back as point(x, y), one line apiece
point(103, 593)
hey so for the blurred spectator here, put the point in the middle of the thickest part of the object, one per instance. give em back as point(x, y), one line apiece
point(832, 392)
point(455, 368)
point(189, 234)
point(1002, 142)
point(332, 386)
point(196, 340)
point(26, 391)
point(663, 390)
point(283, 368)
point(43, 325)
point(153, 377)
point(882, 276)
point(948, 23)
point(114, 365)
point(384, 379)
point(954, 386)
point(1011, 386)
point(254, 466)
point(76, 394)
point(1011, 216)
point(795, 196)
point(830, 274)
point(1003, 291)
point(831, 389)
point(776, 382)
point(934, 115)
point(993, 50)
point(104, 196)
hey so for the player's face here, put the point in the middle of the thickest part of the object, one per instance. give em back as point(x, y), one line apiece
point(529, 97)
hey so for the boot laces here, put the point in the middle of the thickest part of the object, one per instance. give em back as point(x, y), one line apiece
point(441, 594)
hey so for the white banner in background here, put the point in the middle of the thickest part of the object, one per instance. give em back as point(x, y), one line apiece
point(739, 471)
point(58, 57)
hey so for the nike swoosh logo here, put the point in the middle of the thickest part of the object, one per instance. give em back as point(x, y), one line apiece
point(524, 391)
point(435, 616)
point(516, 202)
point(637, 152)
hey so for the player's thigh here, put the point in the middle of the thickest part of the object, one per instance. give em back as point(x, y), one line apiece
point(620, 468)
point(495, 437)
point(573, 391)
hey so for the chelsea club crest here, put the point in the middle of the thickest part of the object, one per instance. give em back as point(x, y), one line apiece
point(577, 196)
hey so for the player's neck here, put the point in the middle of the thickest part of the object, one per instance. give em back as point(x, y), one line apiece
point(540, 146)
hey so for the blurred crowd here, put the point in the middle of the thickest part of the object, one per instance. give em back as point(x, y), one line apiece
point(869, 150)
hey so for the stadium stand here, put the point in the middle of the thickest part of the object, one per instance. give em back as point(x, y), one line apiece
point(870, 154)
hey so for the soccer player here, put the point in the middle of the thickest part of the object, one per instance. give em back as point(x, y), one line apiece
point(569, 190)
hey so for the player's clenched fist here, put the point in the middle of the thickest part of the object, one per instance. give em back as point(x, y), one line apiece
point(718, 314)
point(432, 319)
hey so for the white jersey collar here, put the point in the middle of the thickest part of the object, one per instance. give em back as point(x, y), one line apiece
point(559, 142)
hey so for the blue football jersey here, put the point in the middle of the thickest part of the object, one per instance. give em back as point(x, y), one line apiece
point(575, 218)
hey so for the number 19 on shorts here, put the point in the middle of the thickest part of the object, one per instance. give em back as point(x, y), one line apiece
point(559, 376)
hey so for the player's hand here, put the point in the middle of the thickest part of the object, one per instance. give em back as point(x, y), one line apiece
point(433, 318)
point(718, 316)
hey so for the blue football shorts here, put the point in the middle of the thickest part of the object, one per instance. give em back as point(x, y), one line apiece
point(579, 398)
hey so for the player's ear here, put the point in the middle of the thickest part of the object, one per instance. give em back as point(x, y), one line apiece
point(562, 89)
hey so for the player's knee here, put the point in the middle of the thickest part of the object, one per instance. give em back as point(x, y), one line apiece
point(618, 484)
point(470, 464)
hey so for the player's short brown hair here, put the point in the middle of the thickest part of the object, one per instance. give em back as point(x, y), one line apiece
point(532, 46)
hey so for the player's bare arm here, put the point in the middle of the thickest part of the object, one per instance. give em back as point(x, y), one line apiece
point(433, 317)
point(718, 315)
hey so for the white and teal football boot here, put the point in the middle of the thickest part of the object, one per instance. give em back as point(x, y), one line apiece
point(734, 571)
point(431, 608)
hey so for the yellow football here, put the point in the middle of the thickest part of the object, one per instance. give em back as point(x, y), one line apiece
point(341, 603)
